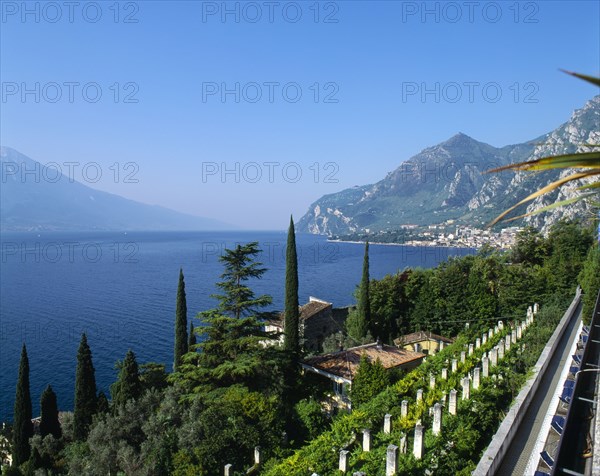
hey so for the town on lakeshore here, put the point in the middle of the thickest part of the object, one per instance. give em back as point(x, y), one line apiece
point(447, 234)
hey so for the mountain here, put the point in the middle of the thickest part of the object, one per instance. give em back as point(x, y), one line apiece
point(37, 197)
point(447, 182)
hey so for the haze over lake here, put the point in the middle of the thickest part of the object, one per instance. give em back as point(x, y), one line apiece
point(120, 289)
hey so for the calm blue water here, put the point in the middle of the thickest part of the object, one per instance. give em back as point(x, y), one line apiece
point(120, 289)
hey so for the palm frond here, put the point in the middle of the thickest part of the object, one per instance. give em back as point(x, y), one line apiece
point(585, 77)
point(548, 188)
point(581, 160)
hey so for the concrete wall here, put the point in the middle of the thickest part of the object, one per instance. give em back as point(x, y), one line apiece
point(492, 458)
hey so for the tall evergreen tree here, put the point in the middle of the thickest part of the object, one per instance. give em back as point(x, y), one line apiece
point(49, 424)
point(233, 350)
point(85, 391)
point(128, 384)
point(191, 338)
point(238, 300)
point(364, 302)
point(22, 426)
point(292, 314)
point(181, 338)
point(359, 323)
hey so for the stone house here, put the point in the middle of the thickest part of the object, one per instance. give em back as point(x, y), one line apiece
point(423, 341)
point(340, 367)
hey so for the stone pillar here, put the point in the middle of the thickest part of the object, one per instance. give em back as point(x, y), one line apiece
point(466, 389)
point(418, 443)
point(228, 471)
point(257, 455)
point(483, 338)
point(441, 345)
point(437, 419)
point(513, 336)
point(444, 373)
point(501, 349)
point(454, 365)
point(494, 356)
point(496, 330)
point(501, 325)
point(419, 395)
point(432, 381)
point(536, 308)
point(366, 440)
point(404, 408)
point(403, 444)
point(476, 377)
point(452, 402)
point(490, 333)
point(477, 343)
point(343, 465)
point(485, 367)
point(519, 331)
point(463, 356)
point(387, 424)
point(507, 343)
point(470, 349)
point(390, 460)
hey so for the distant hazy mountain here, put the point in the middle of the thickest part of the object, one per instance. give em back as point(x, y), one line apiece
point(446, 181)
point(45, 200)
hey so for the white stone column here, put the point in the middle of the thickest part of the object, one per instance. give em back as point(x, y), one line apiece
point(501, 349)
point(257, 455)
point(403, 444)
point(419, 395)
point(470, 349)
point(507, 343)
point(485, 367)
point(490, 333)
point(390, 460)
point(519, 331)
point(404, 408)
point(513, 336)
point(477, 343)
point(452, 402)
point(484, 338)
point(476, 377)
point(366, 440)
point(494, 356)
point(418, 442)
point(387, 424)
point(228, 471)
point(444, 373)
point(343, 464)
point(454, 365)
point(463, 356)
point(466, 389)
point(432, 381)
point(437, 419)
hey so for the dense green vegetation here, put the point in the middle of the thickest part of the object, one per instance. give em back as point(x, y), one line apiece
point(235, 389)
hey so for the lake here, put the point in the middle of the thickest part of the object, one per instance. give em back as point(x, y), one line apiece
point(120, 289)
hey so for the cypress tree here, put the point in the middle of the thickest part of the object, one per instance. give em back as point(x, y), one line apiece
point(358, 322)
point(85, 391)
point(103, 406)
point(49, 424)
point(128, 385)
point(292, 313)
point(191, 338)
point(23, 428)
point(181, 338)
point(364, 303)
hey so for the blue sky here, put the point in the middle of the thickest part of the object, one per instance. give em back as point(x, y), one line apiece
point(363, 70)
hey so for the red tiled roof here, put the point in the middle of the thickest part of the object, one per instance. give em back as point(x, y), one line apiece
point(419, 337)
point(345, 363)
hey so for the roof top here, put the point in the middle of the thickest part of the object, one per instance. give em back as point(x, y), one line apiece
point(345, 362)
point(419, 337)
point(308, 310)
